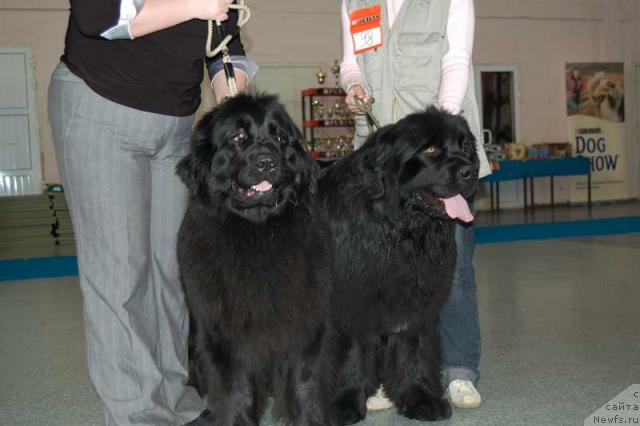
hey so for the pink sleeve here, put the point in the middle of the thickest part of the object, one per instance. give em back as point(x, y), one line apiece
point(350, 73)
point(457, 61)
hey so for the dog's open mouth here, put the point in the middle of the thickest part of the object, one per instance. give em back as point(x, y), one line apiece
point(257, 190)
point(263, 193)
point(455, 207)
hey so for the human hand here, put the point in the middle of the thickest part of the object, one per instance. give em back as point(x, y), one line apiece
point(360, 92)
point(210, 10)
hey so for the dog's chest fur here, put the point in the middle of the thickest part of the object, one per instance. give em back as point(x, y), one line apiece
point(252, 283)
point(397, 276)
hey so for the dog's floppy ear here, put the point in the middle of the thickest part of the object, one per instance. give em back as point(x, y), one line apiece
point(373, 161)
point(294, 134)
point(293, 131)
point(311, 170)
point(371, 175)
point(195, 168)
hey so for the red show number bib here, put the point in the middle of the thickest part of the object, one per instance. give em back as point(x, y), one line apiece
point(366, 29)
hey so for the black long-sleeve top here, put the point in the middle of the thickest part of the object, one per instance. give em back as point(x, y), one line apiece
point(160, 72)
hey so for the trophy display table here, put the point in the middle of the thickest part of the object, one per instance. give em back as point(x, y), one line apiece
point(327, 123)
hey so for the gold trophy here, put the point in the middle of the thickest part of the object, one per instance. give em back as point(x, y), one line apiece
point(335, 69)
point(317, 110)
point(321, 76)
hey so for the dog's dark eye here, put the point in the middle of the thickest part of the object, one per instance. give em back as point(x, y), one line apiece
point(466, 148)
point(432, 151)
point(279, 137)
point(240, 137)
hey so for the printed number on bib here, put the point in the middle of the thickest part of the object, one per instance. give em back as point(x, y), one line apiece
point(366, 30)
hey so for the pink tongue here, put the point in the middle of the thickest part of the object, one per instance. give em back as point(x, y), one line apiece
point(457, 208)
point(262, 186)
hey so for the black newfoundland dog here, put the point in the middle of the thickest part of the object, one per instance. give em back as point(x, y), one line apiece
point(255, 257)
point(393, 206)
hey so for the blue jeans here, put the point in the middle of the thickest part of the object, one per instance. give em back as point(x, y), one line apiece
point(459, 325)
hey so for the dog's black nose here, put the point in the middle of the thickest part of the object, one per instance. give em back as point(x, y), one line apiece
point(466, 173)
point(265, 163)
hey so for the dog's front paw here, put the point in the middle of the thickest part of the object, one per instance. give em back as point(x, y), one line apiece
point(421, 407)
point(350, 407)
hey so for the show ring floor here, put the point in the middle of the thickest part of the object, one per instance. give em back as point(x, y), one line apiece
point(559, 321)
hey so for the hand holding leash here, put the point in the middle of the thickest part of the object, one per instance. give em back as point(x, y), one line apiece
point(355, 90)
point(244, 14)
point(367, 108)
point(209, 9)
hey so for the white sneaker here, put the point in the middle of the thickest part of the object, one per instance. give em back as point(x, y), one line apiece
point(379, 401)
point(464, 394)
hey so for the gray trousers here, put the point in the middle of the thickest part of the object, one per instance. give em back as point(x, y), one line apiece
point(117, 165)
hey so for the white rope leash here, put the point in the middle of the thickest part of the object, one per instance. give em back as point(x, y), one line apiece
point(244, 14)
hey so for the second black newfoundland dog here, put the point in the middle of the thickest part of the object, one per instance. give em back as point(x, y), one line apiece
point(255, 257)
point(392, 206)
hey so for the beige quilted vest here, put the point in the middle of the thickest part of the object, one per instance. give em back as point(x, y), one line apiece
point(404, 74)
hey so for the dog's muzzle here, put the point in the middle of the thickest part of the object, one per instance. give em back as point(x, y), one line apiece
point(259, 179)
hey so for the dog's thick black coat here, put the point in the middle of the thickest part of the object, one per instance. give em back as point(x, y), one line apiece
point(395, 258)
point(255, 259)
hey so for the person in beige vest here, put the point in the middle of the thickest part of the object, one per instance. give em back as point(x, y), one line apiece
point(409, 54)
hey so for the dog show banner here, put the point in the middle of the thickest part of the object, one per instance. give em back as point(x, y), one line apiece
point(595, 108)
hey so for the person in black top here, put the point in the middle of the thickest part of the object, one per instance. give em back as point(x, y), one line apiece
point(121, 106)
point(157, 71)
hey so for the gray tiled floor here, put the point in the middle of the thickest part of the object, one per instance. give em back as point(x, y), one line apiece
point(559, 323)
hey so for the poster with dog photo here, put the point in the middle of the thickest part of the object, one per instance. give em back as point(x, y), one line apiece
point(595, 109)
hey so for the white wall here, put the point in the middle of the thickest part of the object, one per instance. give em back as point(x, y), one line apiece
point(297, 32)
point(539, 36)
point(40, 25)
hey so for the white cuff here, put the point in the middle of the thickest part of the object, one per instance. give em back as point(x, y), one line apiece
point(240, 63)
point(367, 91)
point(129, 9)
